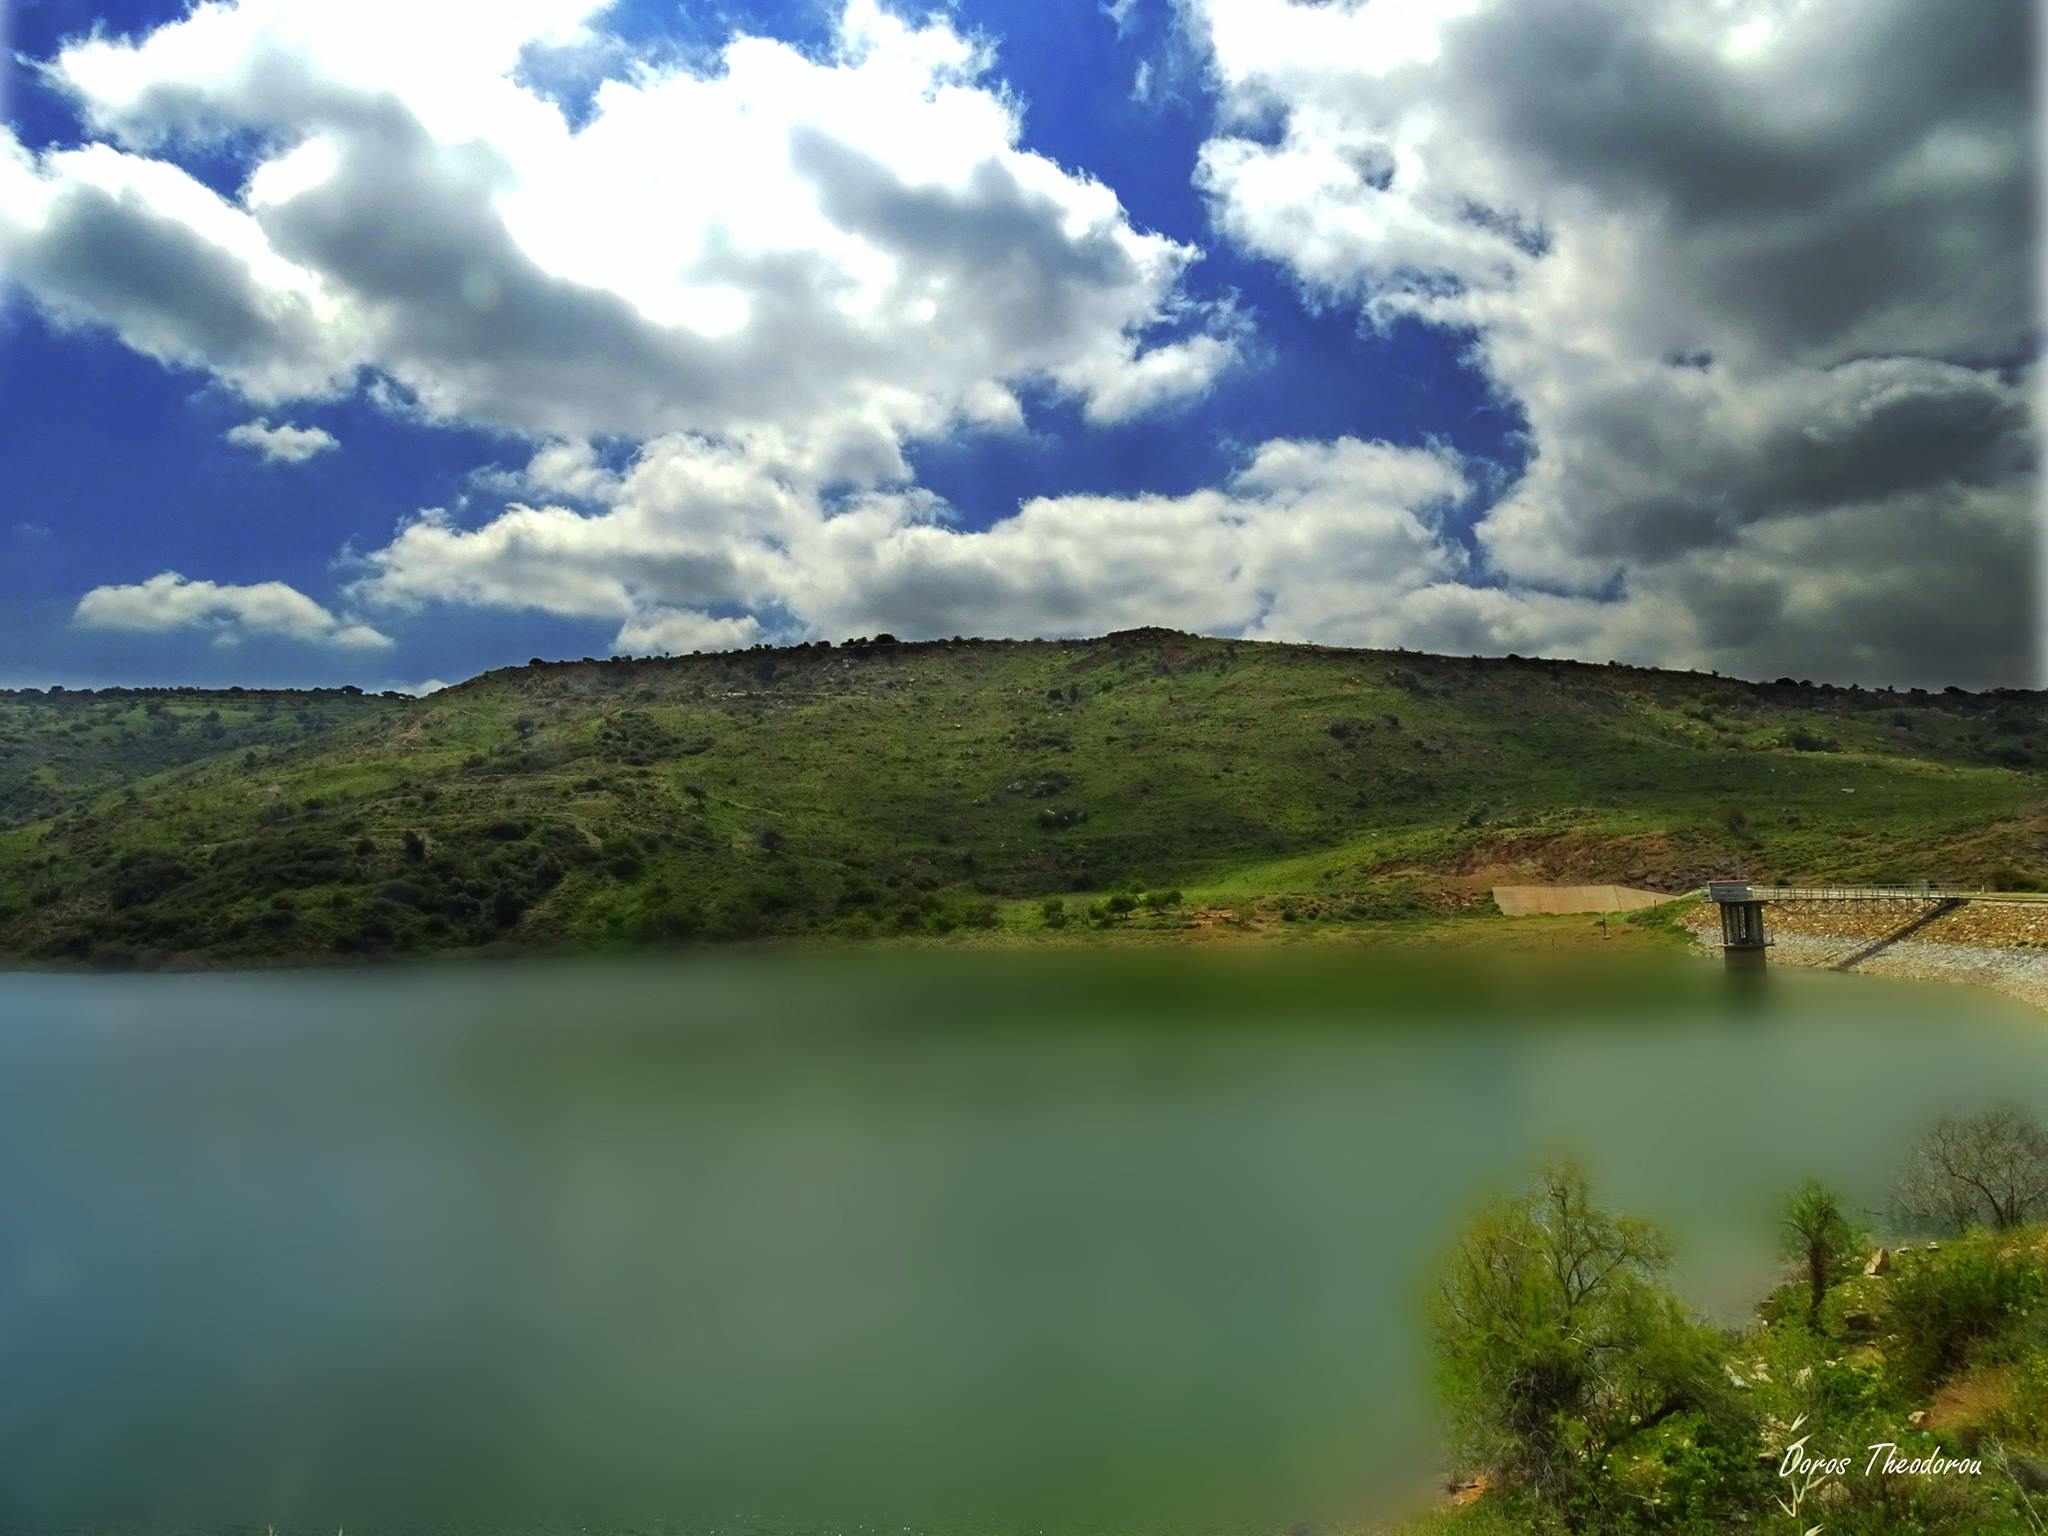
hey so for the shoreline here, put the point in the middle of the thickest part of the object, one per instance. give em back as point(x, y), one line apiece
point(2016, 969)
point(2001, 949)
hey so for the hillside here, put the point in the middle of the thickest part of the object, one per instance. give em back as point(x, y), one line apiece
point(884, 787)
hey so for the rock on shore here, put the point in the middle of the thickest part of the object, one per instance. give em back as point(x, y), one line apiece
point(1999, 945)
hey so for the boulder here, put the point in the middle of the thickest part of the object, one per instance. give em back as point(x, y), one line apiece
point(1880, 1264)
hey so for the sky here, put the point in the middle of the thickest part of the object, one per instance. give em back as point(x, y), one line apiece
point(389, 342)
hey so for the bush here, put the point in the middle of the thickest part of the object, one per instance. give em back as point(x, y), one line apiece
point(1558, 1349)
point(1121, 905)
point(141, 878)
point(1817, 1236)
point(1160, 900)
point(1053, 910)
point(1943, 1304)
point(670, 922)
point(1808, 741)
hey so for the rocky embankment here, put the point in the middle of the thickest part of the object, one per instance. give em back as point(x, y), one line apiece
point(2002, 945)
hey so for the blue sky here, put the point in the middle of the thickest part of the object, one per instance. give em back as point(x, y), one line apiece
point(1391, 335)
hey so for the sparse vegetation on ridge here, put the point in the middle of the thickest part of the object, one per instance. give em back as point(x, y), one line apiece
point(1150, 782)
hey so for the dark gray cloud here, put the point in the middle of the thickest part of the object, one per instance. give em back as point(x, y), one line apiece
point(103, 255)
point(1761, 275)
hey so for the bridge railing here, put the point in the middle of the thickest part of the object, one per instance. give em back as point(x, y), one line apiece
point(1919, 892)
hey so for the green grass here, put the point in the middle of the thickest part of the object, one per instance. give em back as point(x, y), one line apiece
point(948, 788)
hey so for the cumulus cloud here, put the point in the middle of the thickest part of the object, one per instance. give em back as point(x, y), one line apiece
point(1758, 273)
point(1304, 540)
point(169, 601)
point(570, 469)
point(849, 250)
point(282, 444)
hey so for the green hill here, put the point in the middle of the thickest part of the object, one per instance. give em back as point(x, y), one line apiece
point(884, 787)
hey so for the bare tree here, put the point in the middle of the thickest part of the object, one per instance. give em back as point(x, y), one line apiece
point(1989, 1167)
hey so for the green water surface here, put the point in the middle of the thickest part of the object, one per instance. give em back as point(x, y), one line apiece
point(764, 1243)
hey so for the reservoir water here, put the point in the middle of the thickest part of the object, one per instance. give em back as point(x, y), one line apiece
point(936, 1243)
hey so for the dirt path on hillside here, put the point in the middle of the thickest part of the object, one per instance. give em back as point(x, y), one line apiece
point(1558, 900)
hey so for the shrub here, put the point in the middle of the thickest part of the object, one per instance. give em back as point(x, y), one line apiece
point(1815, 1234)
point(670, 922)
point(1943, 1304)
point(142, 878)
point(1558, 1348)
point(1121, 905)
point(1053, 911)
point(1801, 740)
point(1160, 900)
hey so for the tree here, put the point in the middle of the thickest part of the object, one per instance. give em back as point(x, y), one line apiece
point(1817, 1235)
point(1990, 1167)
point(1556, 1343)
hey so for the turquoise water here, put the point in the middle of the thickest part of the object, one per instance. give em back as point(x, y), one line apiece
point(946, 1244)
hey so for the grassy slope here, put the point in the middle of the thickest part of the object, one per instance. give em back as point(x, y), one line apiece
point(60, 749)
point(915, 787)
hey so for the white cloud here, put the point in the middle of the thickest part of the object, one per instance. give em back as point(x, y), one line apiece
point(674, 631)
point(168, 601)
point(1740, 265)
point(1753, 272)
point(560, 468)
point(1303, 540)
point(849, 250)
point(282, 444)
